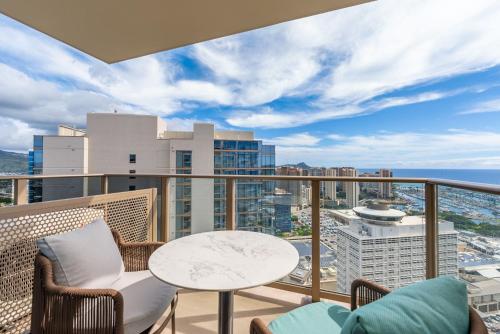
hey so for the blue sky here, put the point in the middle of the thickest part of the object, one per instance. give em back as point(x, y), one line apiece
point(401, 84)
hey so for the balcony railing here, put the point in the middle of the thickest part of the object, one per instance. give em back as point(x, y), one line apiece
point(159, 216)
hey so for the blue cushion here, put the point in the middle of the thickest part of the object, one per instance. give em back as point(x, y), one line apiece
point(438, 305)
point(315, 318)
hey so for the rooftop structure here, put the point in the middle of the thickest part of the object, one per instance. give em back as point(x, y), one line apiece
point(386, 246)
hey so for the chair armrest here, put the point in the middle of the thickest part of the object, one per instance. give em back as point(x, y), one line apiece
point(257, 326)
point(135, 255)
point(476, 324)
point(364, 292)
point(69, 309)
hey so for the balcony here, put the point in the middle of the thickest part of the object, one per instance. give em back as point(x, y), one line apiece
point(143, 215)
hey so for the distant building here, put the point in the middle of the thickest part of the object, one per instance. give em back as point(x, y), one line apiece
point(282, 204)
point(387, 247)
point(385, 188)
point(331, 186)
point(369, 187)
point(351, 189)
point(485, 295)
point(292, 187)
point(307, 194)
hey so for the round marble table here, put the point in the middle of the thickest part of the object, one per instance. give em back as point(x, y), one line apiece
point(223, 261)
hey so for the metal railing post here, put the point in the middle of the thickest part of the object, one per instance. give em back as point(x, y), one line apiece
point(154, 214)
point(230, 204)
point(165, 228)
point(431, 230)
point(104, 184)
point(20, 191)
point(315, 224)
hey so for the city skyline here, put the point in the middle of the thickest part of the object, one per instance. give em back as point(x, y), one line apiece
point(320, 91)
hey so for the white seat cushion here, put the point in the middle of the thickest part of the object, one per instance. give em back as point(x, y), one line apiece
point(87, 257)
point(145, 299)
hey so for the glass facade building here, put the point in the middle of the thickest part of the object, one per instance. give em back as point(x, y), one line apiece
point(35, 167)
point(250, 157)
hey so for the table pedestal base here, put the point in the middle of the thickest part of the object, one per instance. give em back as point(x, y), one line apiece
point(226, 301)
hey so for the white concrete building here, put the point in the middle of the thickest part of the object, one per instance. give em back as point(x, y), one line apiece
point(116, 143)
point(351, 188)
point(387, 247)
point(331, 186)
point(385, 188)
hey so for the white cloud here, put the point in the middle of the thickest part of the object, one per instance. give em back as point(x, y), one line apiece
point(16, 135)
point(267, 118)
point(453, 149)
point(186, 124)
point(336, 136)
point(351, 56)
point(296, 139)
point(259, 67)
point(146, 84)
point(483, 107)
point(402, 43)
point(406, 100)
point(42, 104)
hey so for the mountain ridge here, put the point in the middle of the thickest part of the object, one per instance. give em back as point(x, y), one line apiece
point(13, 163)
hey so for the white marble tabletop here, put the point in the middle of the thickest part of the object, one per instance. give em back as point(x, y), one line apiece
point(223, 260)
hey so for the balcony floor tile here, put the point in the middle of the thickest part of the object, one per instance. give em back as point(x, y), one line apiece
point(197, 311)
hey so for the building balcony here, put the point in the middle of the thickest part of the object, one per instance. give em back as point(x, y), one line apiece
point(148, 215)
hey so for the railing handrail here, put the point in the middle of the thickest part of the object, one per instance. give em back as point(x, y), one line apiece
point(431, 213)
point(472, 186)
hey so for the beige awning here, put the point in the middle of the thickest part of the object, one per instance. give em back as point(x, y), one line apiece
point(115, 30)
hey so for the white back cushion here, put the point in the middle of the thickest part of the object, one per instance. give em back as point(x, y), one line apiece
point(86, 258)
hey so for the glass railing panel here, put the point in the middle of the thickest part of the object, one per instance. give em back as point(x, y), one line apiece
point(292, 221)
point(278, 208)
point(475, 218)
point(51, 189)
point(6, 198)
point(377, 232)
point(195, 205)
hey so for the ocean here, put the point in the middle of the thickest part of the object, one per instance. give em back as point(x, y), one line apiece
point(491, 176)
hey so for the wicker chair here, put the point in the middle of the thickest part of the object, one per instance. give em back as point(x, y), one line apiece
point(62, 309)
point(364, 292)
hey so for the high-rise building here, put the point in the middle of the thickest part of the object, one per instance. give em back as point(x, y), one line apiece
point(387, 247)
point(351, 189)
point(292, 187)
point(385, 188)
point(142, 144)
point(35, 166)
point(330, 186)
point(369, 187)
point(282, 203)
point(318, 171)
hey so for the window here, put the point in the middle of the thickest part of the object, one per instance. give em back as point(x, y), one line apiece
point(38, 142)
point(183, 160)
point(229, 160)
point(229, 145)
point(131, 187)
point(248, 145)
point(131, 158)
point(217, 160)
point(132, 171)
